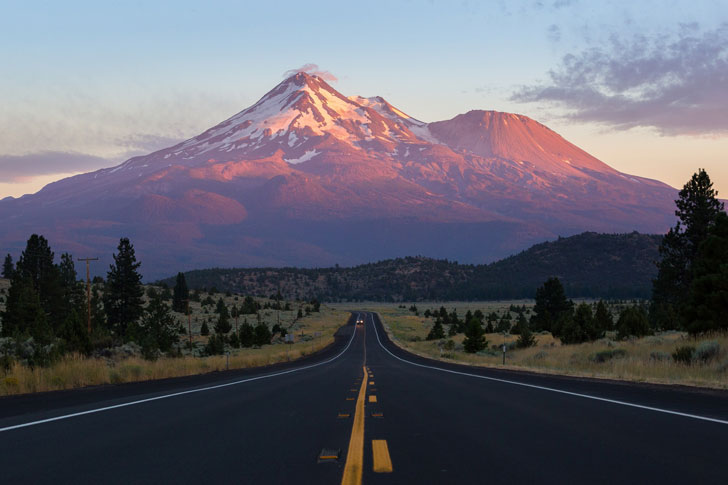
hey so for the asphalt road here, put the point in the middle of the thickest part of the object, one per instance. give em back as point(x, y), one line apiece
point(434, 422)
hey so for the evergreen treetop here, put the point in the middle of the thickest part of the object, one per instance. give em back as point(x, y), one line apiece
point(123, 291)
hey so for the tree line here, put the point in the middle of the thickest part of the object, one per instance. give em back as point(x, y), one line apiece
point(47, 312)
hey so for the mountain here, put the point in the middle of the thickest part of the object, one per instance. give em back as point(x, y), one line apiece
point(309, 177)
point(588, 265)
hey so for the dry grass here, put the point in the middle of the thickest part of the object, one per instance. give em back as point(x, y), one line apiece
point(313, 333)
point(646, 359)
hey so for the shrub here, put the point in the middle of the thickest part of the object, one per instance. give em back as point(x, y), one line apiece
point(707, 351)
point(684, 354)
point(606, 355)
point(659, 356)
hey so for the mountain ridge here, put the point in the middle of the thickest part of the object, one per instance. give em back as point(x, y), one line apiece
point(250, 189)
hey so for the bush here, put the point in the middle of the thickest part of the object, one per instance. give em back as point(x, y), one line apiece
point(707, 351)
point(606, 355)
point(633, 321)
point(659, 356)
point(684, 354)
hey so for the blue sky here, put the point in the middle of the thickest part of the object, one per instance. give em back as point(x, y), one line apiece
point(88, 84)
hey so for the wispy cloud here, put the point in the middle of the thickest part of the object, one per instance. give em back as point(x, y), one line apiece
point(23, 168)
point(142, 144)
point(673, 83)
point(314, 70)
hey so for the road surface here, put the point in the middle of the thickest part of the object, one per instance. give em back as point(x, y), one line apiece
point(365, 411)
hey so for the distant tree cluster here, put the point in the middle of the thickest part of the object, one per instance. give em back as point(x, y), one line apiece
point(47, 309)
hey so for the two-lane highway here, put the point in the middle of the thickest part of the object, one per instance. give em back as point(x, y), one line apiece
point(367, 411)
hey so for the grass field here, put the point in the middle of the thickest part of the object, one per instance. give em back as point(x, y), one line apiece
point(643, 360)
point(311, 333)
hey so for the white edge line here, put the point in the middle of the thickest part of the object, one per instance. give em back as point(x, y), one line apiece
point(533, 386)
point(182, 393)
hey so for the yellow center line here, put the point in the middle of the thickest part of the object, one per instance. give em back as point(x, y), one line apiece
point(372, 398)
point(355, 456)
point(371, 383)
point(380, 457)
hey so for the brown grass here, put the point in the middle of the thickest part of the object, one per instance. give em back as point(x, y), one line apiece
point(646, 360)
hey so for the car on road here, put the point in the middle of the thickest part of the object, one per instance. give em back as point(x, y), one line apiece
point(359, 321)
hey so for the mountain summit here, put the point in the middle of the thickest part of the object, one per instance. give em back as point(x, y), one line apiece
point(307, 176)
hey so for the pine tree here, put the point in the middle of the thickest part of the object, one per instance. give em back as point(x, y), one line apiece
point(250, 306)
point(697, 210)
point(474, 337)
point(34, 305)
point(223, 325)
point(157, 329)
point(204, 329)
point(262, 334)
point(8, 267)
point(707, 303)
point(123, 292)
point(181, 294)
point(526, 338)
point(247, 334)
point(24, 314)
point(436, 332)
point(551, 303)
point(580, 328)
point(603, 320)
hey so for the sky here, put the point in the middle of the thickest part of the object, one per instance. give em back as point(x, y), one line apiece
point(643, 86)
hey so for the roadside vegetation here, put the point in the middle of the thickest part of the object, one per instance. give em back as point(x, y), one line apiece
point(138, 332)
point(669, 357)
point(679, 336)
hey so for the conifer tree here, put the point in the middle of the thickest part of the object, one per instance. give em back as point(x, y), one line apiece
point(157, 329)
point(247, 334)
point(579, 328)
point(633, 322)
point(34, 305)
point(707, 303)
point(551, 303)
point(603, 320)
point(123, 291)
point(526, 338)
point(181, 294)
point(223, 325)
point(8, 267)
point(262, 334)
point(474, 337)
point(697, 209)
point(436, 332)
point(204, 329)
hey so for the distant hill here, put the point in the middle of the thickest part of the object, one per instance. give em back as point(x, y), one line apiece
point(588, 264)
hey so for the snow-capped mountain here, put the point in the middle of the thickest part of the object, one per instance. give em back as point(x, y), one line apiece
point(308, 176)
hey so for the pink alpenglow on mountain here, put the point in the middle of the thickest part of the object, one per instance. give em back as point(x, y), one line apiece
point(309, 177)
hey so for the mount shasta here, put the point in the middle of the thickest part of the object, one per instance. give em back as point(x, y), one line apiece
point(309, 177)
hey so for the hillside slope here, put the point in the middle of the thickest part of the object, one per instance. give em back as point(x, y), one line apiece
point(589, 265)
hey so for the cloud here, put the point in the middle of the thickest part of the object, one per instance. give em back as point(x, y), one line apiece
point(675, 84)
point(23, 168)
point(143, 144)
point(554, 33)
point(314, 70)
